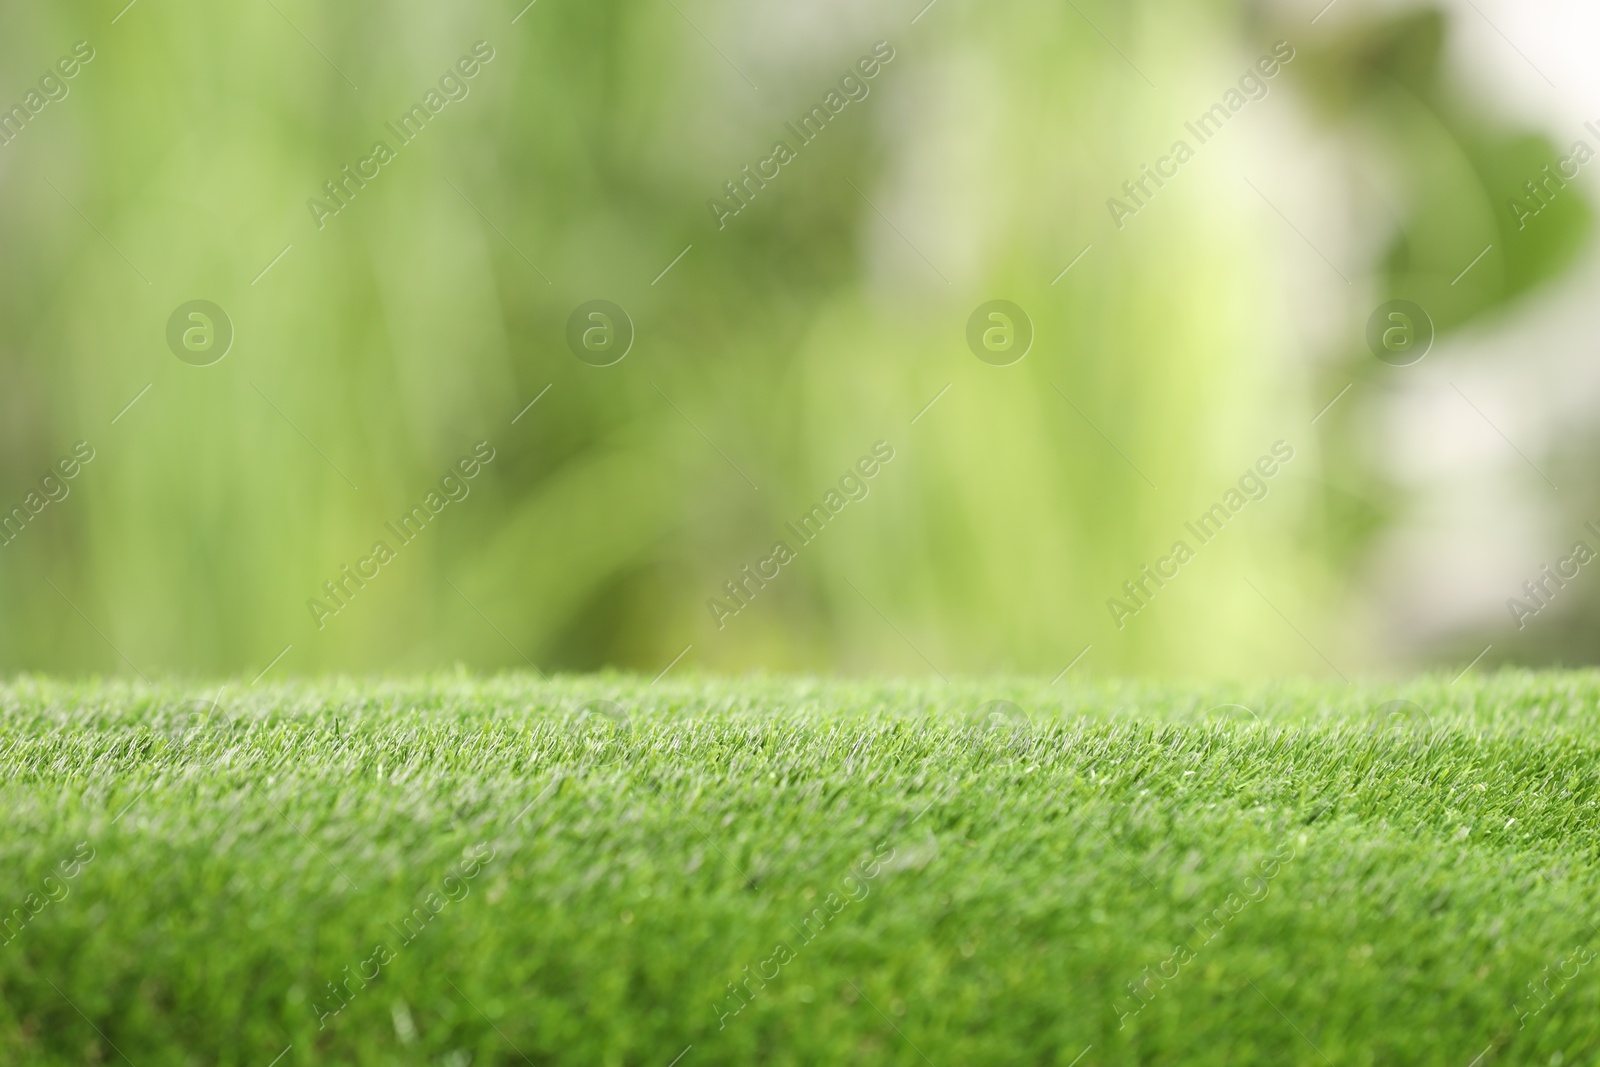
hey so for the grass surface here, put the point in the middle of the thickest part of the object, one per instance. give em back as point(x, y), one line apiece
point(456, 871)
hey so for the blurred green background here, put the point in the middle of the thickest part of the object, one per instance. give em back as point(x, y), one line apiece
point(424, 316)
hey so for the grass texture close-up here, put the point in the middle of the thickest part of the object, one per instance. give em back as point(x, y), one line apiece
point(600, 870)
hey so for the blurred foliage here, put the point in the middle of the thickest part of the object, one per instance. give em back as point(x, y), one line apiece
point(423, 317)
point(1456, 168)
point(1455, 174)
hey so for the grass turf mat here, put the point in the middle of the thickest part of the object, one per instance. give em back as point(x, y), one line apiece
point(601, 871)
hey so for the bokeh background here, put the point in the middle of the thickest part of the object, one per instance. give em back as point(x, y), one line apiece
point(372, 353)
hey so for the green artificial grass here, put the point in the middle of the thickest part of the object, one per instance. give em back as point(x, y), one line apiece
point(457, 871)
